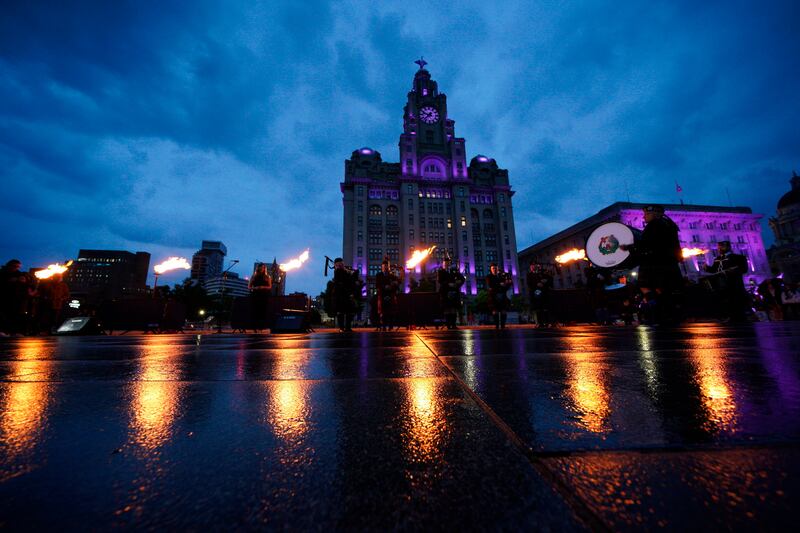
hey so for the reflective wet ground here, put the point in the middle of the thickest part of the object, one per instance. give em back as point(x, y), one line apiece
point(567, 429)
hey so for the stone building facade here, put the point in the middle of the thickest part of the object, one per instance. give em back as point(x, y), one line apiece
point(784, 255)
point(431, 197)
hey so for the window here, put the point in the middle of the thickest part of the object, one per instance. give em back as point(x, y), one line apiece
point(466, 252)
point(375, 210)
point(375, 237)
point(360, 190)
point(374, 269)
point(411, 203)
point(360, 205)
point(360, 252)
point(411, 234)
point(449, 223)
point(411, 218)
point(505, 240)
point(737, 226)
point(360, 236)
point(392, 237)
point(360, 220)
point(491, 255)
point(463, 221)
point(695, 238)
point(508, 254)
point(487, 214)
point(502, 198)
point(503, 212)
point(422, 237)
point(724, 225)
point(393, 254)
point(709, 225)
point(740, 239)
point(375, 254)
point(478, 256)
point(410, 189)
point(464, 236)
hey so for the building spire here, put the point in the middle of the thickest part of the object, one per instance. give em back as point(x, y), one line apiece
point(421, 62)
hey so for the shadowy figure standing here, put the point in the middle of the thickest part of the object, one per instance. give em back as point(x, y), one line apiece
point(498, 283)
point(260, 286)
point(16, 289)
point(658, 253)
point(387, 284)
point(450, 280)
point(730, 267)
point(540, 283)
point(344, 287)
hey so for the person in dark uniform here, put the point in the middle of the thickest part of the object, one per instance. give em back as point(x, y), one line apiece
point(345, 288)
point(497, 284)
point(730, 268)
point(387, 284)
point(658, 253)
point(260, 286)
point(540, 283)
point(449, 281)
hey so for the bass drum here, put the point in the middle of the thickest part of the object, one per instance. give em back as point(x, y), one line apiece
point(603, 246)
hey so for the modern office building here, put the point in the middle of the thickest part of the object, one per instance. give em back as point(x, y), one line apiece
point(208, 261)
point(98, 275)
point(431, 197)
point(785, 253)
point(232, 284)
point(700, 226)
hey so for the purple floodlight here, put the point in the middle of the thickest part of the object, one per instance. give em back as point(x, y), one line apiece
point(365, 151)
point(483, 159)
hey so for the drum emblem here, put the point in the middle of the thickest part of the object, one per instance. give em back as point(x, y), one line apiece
point(608, 245)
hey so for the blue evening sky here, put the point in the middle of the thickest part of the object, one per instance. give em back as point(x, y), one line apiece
point(153, 125)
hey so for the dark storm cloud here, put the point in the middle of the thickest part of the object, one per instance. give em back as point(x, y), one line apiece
point(154, 125)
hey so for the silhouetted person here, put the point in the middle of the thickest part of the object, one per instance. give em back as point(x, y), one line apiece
point(449, 281)
point(387, 284)
point(260, 286)
point(730, 267)
point(344, 286)
point(16, 288)
point(540, 283)
point(53, 296)
point(658, 253)
point(497, 285)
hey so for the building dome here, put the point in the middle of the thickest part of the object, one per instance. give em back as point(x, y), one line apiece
point(792, 197)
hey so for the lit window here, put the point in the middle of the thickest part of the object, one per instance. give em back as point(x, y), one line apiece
point(463, 221)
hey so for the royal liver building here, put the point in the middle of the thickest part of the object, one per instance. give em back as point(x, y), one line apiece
point(432, 197)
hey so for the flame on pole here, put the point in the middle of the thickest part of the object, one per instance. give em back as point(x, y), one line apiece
point(173, 263)
point(52, 270)
point(570, 256)
point(297, 262)
point(691, 252)
point(419, 256)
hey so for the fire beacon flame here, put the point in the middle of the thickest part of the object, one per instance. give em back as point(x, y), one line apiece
point(173, 263)
point(297, 262)
point(570, 256)
point(419, 256)
point(691, 252)
point(52, 270)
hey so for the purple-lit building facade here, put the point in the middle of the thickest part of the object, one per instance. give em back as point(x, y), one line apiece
point(700, 226)
point(785, 253)
point(431, 197)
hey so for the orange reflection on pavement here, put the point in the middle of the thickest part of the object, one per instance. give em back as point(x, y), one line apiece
point(23, 407)
point(156, 393)
point(288, 411)
point(423, 420)
point(709, 363)
point(587, 384)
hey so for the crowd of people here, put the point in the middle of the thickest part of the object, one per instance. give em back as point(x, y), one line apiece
point(30, 306)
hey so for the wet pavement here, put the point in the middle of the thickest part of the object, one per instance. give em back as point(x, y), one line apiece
point(570, 429)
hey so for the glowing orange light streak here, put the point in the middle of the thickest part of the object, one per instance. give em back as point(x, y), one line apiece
point(173, 263)
point(297, 262)
point(419, 256)
point(52, 270)
point(572, 255)
point(691, 252)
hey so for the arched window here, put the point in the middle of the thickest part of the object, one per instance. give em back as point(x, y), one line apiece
point(375, 210)
point(487, 214)
point(391, 211)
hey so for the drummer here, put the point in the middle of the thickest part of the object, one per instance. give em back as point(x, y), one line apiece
point(659, 255)
point(734, 300)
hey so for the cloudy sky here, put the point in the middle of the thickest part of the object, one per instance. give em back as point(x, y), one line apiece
point(153, 125)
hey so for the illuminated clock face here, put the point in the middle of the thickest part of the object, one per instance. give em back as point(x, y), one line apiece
point(428, 114)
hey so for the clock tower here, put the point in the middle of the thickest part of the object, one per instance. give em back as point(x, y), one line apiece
point(433, 196)
point(428, 145)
